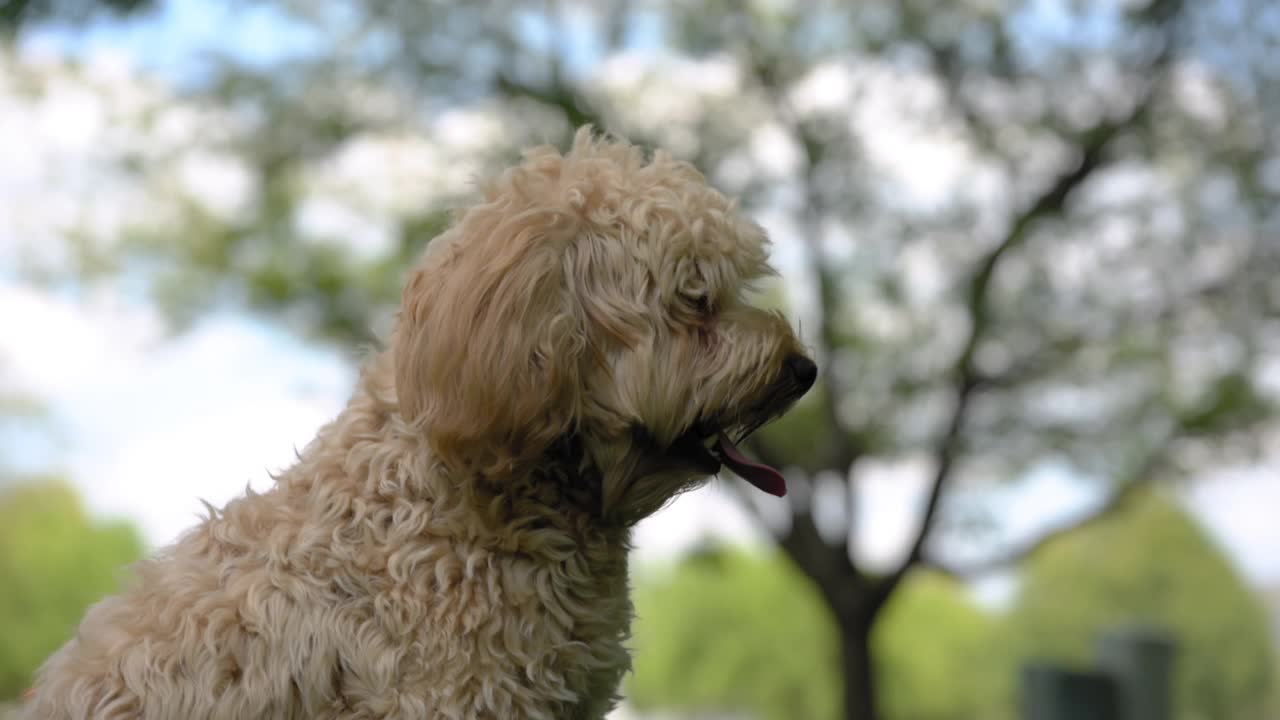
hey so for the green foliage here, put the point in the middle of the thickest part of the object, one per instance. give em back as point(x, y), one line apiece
point(939, 657)
point(801, 435)
point(727, 630)
point(1153, 564)
point(54, 562)
point(747, 632)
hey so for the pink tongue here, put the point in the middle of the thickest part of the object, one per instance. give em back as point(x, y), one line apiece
point(762, 476)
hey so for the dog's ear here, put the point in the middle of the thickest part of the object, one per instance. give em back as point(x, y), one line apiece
point(488, 343)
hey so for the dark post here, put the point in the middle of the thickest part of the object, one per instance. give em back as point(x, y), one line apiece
point(1054, 693)
point(1141, 661)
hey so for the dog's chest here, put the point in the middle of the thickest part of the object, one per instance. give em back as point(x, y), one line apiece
point(523, 637)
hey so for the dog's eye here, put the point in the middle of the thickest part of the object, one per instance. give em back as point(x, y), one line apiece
point(702, 304)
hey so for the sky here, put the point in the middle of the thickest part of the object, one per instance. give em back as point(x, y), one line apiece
point(147, 425)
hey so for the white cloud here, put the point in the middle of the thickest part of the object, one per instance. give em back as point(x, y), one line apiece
point(221, 183)
point(56, 347)
point(156, 424)
point(1239, 509)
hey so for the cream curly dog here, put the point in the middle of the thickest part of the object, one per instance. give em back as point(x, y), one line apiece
point(571, 353)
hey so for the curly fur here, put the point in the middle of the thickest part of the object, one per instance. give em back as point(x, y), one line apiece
point(454, 544)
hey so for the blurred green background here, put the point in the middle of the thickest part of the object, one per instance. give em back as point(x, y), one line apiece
point(1032, 243)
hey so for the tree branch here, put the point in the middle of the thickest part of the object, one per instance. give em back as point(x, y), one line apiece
point(1139, 479)
point(966, 379)
point(1090, 151)
point(557, 96)
point(830, 565)
point(947, 451)
point(968, 571)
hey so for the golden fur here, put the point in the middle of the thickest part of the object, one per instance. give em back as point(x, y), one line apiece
point(454, 544)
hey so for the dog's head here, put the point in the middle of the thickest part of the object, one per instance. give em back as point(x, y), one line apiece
point(597, 296)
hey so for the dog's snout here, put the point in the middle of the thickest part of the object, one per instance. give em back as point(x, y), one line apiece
point(803, 370)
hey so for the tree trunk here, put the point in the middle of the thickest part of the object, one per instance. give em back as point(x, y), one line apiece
point(859, 673)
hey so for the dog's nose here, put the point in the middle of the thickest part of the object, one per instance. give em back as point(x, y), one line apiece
point(803, 369)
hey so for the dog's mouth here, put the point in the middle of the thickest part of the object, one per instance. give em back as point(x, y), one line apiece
point(712, 442)
point(708, 447)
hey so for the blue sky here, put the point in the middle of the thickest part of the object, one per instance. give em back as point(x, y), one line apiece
point(175, 39)
point(171, 40)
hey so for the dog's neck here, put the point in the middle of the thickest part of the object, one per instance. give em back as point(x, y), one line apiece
point(553, 502)
point(561, 492)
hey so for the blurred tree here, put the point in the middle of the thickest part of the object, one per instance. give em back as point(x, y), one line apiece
point(14, 14)
point(940, 656)
point(738, 631)
point(54, 562)
point(1024, 233)
point(727, 630)
point(1152, 564)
